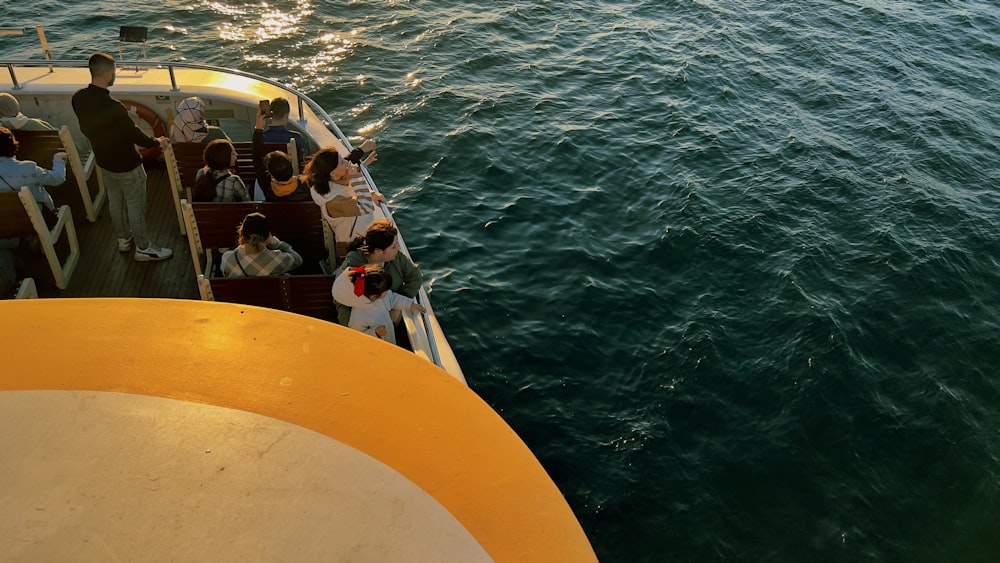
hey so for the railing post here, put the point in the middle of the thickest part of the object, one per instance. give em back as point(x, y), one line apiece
point(45, 45)
point(13, 77)
point(173, 79)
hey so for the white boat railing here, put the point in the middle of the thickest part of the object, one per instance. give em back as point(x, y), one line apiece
point(301, 99)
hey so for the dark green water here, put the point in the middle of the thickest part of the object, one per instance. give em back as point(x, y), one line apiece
point(731, 269)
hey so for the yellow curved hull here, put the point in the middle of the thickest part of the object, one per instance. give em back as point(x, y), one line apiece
point(423, 444)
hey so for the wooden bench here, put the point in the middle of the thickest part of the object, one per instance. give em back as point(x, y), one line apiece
point(305, 295)
point(308, 295)
point(184, 159)
point(39, 146)
point(26, 289)
point(20, 215)
point(212, 226)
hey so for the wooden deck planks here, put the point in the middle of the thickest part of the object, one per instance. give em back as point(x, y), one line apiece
point(105, 272)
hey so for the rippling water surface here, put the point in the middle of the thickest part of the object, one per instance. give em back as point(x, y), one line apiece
point(730, 268)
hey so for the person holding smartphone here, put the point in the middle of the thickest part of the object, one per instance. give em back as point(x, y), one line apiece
point(278, 132)
point(275, 176)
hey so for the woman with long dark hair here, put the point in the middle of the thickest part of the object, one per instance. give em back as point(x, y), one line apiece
point(216, 181)
point(341, 191)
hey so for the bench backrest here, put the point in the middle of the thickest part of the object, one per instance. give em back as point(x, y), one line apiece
point(305, 295)
point(298, 223)
point(191, 156)
point(38, 146)
point(20, 215)
point(14, 222)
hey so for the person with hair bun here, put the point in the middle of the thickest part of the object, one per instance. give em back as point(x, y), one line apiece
point(380, 246)
point(365, 289)
point(259, 253)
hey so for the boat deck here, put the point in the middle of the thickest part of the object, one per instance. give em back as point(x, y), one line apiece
point(103, 271)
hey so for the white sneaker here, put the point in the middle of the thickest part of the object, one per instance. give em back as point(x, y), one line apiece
point(124, 244)
point(151, 253)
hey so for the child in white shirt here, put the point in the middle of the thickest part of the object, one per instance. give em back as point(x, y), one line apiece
point(366, 290)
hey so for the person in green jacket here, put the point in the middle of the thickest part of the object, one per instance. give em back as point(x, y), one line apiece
point(380, 245)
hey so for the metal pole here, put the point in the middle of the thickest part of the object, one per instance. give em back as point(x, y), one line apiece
point(13, 77)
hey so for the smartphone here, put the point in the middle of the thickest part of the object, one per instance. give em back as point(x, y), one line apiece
point(368, 145)
point(265, 108)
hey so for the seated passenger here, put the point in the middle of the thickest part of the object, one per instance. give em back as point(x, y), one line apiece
point(380, 245)
point(274, 172)
point(12, 118)
point(365, 289)
point(342, 193)
point(190, 126)
point(15, 173)
point(215, 181)
point(259, 253)
point(278, 131)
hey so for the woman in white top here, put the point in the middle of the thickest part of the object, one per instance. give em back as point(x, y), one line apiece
point(339, 188)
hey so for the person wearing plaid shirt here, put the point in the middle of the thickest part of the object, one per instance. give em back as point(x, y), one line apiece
point(215, 181)
point(259, 253)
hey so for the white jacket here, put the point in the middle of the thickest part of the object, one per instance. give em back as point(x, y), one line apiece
point(367, 315)
point(15, 173)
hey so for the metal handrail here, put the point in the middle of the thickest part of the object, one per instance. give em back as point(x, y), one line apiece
point(302, 99)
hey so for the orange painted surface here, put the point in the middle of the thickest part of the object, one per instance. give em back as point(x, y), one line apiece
point(379, 399)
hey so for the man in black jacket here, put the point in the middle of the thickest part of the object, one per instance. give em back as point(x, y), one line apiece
point(113, 136)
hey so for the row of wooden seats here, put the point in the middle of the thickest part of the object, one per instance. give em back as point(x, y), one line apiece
point(183, 160)
point(302, 294)
point(212, 226)
point(20, 216)
point(39, 146)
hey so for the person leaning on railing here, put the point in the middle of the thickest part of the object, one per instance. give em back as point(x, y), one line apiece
point(365, 289)
point(380, 245)
point(342, 193)
point(113, 135)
